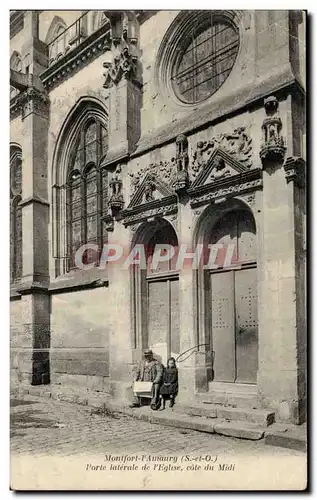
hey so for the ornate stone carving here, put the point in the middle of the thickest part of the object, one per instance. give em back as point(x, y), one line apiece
point(238, 144)
point(220, 170)
point(182, 180)
point(249, 198)
point(226, 191)
point(30, 101)
point(123, 65)
point(165, 170)
point(124, 43)
point(159, 211)
point(116, 201)
point(273, 148)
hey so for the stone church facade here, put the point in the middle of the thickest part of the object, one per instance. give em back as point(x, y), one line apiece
point(144, 128)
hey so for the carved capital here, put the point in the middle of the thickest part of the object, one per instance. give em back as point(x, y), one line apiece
point(295, 170)
point(30, 101)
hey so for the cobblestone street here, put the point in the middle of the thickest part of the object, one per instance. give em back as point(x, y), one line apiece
point(39, 426)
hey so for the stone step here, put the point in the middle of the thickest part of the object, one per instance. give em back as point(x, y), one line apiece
point(197, 410)
point(242, 430)
point(248, 400)
point(256, 416)
point(209, 410)
point(294, 437)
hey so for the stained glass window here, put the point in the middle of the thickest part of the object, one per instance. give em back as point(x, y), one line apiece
point(207, 59)
point(87, 192)
point(15, 214)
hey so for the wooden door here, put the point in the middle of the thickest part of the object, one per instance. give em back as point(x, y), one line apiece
point(163, 317)
point(246, 328)
point(234, 329)
point(222, 326)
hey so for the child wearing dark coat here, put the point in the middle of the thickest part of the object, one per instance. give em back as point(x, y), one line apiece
point(169, 387)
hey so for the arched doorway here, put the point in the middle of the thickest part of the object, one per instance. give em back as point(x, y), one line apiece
point(156, 293)
point(230, 295)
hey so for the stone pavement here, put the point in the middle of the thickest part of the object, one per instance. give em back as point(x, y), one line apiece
point(45, 425)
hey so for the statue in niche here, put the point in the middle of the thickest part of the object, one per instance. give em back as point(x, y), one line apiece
point(116, 201)
point(273, 147)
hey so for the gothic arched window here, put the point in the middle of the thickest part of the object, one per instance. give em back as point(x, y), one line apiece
point(15, 214)
point(56, 39)
point(86, 191)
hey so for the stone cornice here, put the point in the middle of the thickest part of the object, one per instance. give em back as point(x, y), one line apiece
point(227, 187)
point(156, 208)
point(73, 61)
point(79, 280)
point(27, 288)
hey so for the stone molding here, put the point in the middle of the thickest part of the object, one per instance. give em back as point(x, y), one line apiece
point(90, 48)
point(79, 280)
point(225, 188)
point(34, 199)
point(152, 209)
point(295, 170)
point(30, 101)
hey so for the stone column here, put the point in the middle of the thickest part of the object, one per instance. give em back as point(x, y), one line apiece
point(120, 341)
point(193, 364)
point(281, 371)
point(35, 206)
point(122, 79)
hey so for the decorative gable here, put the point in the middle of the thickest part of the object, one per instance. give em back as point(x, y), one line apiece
point(152, 188)
point(220, 165)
